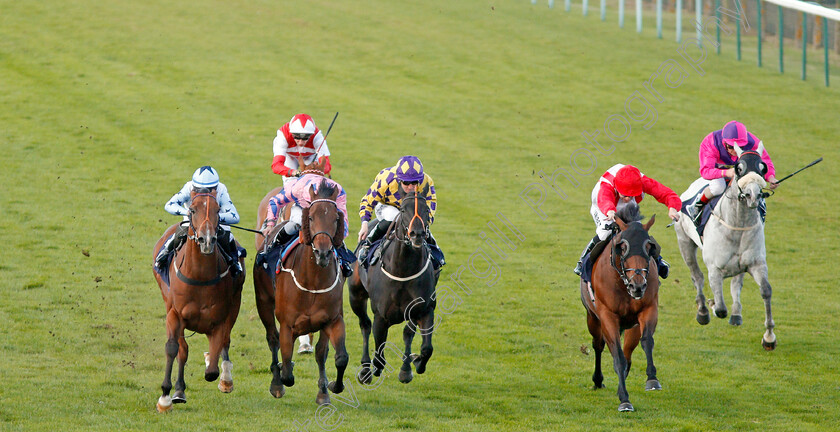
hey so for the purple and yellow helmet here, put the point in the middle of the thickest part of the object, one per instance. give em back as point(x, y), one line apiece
point(409, 169)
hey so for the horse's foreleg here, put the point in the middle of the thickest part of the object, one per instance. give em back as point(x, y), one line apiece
point(218, 338)
point(180, 395)
point(735, 289)
point(688, 250)
point(425, 327)
point(321, 350)
point(631, 341)
point(405, 370)
point(173, 332)
point(716, 283)
point(612, 337)
point(759, 273)
point(380, 338)
point(336, 333)
point(594, 325)
point(287, 376)
point(647, 325)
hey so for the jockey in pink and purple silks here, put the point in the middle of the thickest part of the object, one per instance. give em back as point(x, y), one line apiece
point(717, 155)
point(296, 190)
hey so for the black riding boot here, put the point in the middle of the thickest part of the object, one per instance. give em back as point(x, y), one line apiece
point(284, 235)
point(663, 265)
point(345, 259)
point(374, 234)
point(579, 267)
point(228, 246)
point(438, 260)
point(176, 241)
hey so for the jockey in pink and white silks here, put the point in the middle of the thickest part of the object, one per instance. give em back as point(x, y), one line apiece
point(717, 158)
point(299, 138)
point(296, 191)
point(626, 183)
point(204, 178)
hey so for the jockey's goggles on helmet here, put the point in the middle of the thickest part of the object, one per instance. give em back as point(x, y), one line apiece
point(301, 136)
point(409, 183)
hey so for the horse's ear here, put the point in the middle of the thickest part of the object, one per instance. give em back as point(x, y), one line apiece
point(620, 223)
point(312, 192)
point(336, 193)
point(650, 222)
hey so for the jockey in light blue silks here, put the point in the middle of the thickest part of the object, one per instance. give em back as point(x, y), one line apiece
point(179, 204)
point(717, 156)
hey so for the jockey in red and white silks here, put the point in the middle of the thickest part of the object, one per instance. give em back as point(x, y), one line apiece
point(717, 155)
point(625, 182)
point(299, 138)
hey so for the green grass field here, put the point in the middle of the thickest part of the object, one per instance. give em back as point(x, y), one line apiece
point(106, 109)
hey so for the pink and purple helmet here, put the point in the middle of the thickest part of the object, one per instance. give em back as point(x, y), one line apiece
point(409, 169)
point(734, 134)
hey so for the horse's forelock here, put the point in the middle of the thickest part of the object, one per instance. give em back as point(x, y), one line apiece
point(751, 177)
point(325, 190)
point(628, 211)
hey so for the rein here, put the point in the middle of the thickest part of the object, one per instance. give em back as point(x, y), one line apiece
point(407, 241)
point(622, 272)
point(194, 237)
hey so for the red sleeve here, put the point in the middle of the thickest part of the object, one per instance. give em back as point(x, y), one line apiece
point(606, 198)
point(327, 165)
point(278, 165)
point(662, 193)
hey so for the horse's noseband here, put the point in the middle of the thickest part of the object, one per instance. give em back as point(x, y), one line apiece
point(621, 269)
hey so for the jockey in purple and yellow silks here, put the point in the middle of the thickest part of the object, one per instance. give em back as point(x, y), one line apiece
point(383, 199)
point(717, 155)
point(296, 190)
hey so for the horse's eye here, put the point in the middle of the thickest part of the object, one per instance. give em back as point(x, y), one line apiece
point(192, 211)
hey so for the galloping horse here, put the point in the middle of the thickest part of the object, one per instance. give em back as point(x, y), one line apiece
point(400, 287)
point(203, 298)
point(733, 243)
point(624, 297)
point(306, 296)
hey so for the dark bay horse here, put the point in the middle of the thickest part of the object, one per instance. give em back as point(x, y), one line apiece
point(306, 296)
point(400, 287)
point(201, 297)
point(624, 298)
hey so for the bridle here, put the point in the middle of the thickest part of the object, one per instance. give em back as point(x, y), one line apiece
point(330, 236)
point(621, 269)
point(194, 236)
point(407, 236)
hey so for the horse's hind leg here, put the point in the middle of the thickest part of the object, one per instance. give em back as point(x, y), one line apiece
point(759, 273)
point(426, 328)
point(173, 332)
point(264, 293)
point(226, 377)
point(405, 370)
point(594, 326)
point(321, 350)
point(218, 338)
point(337, 334)
point(688, 250)
point(735, 289)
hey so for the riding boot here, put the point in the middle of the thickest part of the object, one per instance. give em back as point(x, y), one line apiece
point(228, 247)
point(579, 267)
point(438, 260)
point(663, 265)
point(695, 209)
point(374, 234)
point(345, 260)
point(172, 244)
point(285, 235)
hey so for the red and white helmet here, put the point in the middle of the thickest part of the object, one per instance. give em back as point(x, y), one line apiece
point(302, 124)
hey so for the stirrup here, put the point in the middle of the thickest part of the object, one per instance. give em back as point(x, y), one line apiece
point(578, 270)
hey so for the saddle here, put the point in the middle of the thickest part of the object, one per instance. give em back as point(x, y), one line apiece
point(705, 214)
point(590, 258)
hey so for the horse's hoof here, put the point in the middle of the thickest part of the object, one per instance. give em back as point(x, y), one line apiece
point(322, 399)
point(277, 391)
point(225, 386)
point(211, 376)
point(364, 376)
point(721, 313)
point(703, 319)
point(625, 407)
point(406, 376)
point(736, 320)
point(377, 371)
point(652, 385)
point(768, 346)
point(336, 387)
point(179, 397)
point(164, 404)
point(598, 386)
point(288, 382)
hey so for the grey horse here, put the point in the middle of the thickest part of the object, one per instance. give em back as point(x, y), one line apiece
point(732, 244)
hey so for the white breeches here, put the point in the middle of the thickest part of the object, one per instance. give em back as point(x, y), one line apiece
point(600, 222)
point(716, 187)
point(296, 214)
point(386, 212)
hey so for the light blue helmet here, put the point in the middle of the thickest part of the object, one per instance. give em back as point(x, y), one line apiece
point(205, 177)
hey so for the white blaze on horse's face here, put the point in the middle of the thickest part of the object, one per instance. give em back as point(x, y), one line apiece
point(204, 217)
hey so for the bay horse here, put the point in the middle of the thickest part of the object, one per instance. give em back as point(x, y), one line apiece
point(307, 296)
point(201, 296)
point(400, 287)
point(624, 297)
point(732, 244)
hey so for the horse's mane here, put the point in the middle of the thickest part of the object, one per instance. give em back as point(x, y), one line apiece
point(325, 189)
point(628, 211)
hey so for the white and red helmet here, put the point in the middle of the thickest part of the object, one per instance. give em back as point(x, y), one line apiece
point(302, 124)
